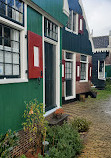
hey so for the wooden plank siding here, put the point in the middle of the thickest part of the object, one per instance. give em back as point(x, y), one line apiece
point(97, 56)
point(53, 8)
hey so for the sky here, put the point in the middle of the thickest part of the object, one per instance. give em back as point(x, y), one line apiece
point(98, 13)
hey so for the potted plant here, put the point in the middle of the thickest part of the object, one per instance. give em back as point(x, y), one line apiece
point(58, 113)
point(35, 124)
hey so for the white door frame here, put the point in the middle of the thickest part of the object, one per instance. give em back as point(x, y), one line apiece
point(73, 74)
point(57, 45)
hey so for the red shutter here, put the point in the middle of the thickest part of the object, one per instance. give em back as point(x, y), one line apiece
point(79, 25)
point(77, 75)
point(63, 70)
point(34, 40)
point(89, 73)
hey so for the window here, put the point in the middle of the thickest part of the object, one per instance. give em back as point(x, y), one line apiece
point(9, 52)
point(50, 30)
point(72, 22)
point(84, 65)
point(101, 66)
point(13, 9)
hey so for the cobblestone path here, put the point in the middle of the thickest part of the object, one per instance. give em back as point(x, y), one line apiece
point(98, 139)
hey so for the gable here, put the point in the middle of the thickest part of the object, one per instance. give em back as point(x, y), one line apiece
point(80, 42)
point(54, 8)
point(75, 6)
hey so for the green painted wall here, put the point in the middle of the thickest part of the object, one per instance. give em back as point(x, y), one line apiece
point(108, 70)
point(12, 96)
point(54, 8)
point(34, 21)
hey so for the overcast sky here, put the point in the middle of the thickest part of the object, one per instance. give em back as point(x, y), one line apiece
point(98, 13)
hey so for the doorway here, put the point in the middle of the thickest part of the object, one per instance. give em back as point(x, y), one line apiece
point(50, 76)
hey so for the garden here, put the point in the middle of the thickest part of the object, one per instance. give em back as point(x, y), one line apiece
point(48, 141)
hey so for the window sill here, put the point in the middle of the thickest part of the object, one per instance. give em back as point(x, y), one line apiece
point(83, 81)
point(51, 111)
point(68, 98)
point(102, 79)
point(8, 81)
point(71, 31)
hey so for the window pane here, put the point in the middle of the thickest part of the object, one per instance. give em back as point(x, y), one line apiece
point(0, 35)
point(83, 58)
point(1, 69)
point(15, 35)
point(8, 57)
point(2, 8)
point(7, 37)
point(10, 3)
point(15, 46)
point(74, 22)
point(10, 10)
point(8, 69)
point(15, 69)
point(19, 5)
point(69, 24)
point(69, 56)
point(16, 58)
point(83, 71)
point(1, 56)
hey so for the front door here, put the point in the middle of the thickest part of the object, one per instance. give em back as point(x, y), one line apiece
point(50, 76)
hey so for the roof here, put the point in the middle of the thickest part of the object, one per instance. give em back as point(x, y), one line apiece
point(101, 42)
point(74, 5)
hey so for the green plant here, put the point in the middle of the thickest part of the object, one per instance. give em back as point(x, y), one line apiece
point(23, 156)
point(64, 142)
point(80, 124)
point(35, 122)
point(7, 142)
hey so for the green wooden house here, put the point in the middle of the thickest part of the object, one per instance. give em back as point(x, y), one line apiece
point(30, 57)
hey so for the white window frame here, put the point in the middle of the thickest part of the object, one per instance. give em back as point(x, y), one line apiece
point(73, 60)
point(99, 72)
point(85, 62)
point(23, 48)
point(76, 27)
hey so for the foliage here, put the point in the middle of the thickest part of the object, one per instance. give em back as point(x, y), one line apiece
point(7, 143)
point(34, 121)
point(80, 124)
point(23, 156)
point(64, 142)
point(93, 89)
point(108, 84)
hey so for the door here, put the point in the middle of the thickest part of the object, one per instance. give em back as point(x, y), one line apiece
point(69, 78)
point(50, 76)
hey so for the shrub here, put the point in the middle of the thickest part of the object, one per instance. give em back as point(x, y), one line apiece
point(23, 156)
point(35, 122)
point(64, 142)
point(7, 143)
point(80, 124)
point(108, 84)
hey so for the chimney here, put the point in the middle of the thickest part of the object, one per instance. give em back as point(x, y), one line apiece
point(110, 38)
